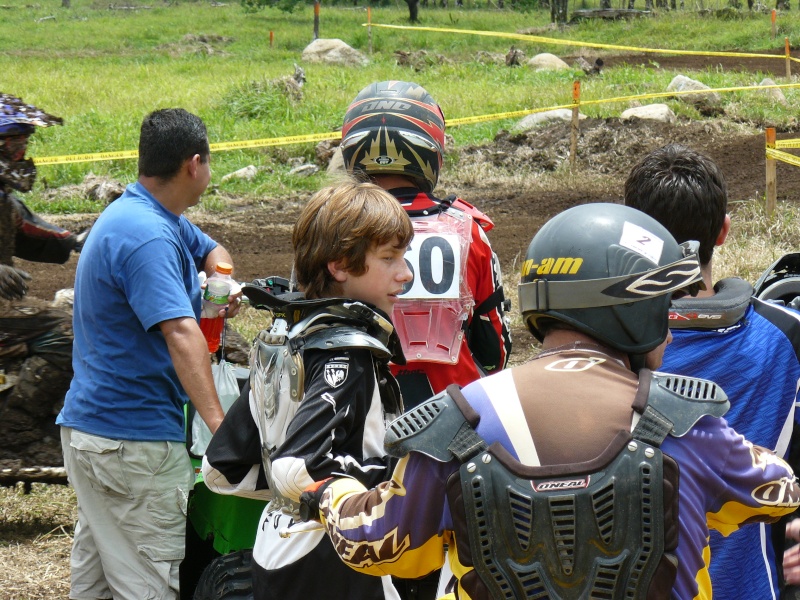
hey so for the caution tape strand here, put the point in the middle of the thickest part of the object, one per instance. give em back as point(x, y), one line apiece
point(555, 41)
point(783, 157)
point(335, 135)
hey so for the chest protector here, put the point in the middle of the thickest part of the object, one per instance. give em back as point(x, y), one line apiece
point(432, 310)
point(606, 529)
point(277, 374)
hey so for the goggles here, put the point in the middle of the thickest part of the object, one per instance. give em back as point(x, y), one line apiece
point(683, 274)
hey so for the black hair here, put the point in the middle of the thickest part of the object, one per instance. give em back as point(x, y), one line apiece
point(684, 191)
point(168, 138)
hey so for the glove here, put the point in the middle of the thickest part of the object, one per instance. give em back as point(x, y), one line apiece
point(78, 240)
point(13, 282)
point(310, 498)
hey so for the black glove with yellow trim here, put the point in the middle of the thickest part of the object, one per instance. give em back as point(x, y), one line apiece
point(310, 499)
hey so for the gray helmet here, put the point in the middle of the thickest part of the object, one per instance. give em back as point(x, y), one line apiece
point(608, 271)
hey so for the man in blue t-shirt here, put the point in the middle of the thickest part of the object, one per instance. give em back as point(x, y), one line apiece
point(138, 356)
point(747, 346)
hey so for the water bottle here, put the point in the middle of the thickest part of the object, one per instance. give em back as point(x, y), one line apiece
point(215, 297)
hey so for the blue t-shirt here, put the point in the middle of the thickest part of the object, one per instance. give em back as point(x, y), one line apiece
point(138, 268)
point(757, 362)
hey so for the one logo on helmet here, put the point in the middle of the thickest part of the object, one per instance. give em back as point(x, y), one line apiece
point(561, 484)
point(384, 160)
point(574, 365)
point(336, 373)
point(552, 266)
point(376, 105)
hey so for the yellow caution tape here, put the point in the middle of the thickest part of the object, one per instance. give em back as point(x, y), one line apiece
point(688, 92)
point(281, 141)
point(242, 145)
point(783, 157)
point(76, 158)
point(545, 40)
point(787, 143)
point(335, 135)
point(498, 116)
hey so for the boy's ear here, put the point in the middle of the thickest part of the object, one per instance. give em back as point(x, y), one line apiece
point(723, 233)
point(338, 271)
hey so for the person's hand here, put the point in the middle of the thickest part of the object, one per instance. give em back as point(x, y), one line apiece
point(78, 240)
point(231, 309)
point(791, 565)
point(793, 530)
point(234, 302)
point(13, 282)
point(310, 499)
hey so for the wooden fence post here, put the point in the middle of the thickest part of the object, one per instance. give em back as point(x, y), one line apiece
point(316, 19)
point(573, 143)
point(788, 61)
point(369, 29)
point(772, 187)
point(271, 38)
point(774, 32)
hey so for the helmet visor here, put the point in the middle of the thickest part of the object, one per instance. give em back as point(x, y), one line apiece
point(683, 274)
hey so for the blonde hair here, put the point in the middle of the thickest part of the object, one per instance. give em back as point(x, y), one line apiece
point(342, 223)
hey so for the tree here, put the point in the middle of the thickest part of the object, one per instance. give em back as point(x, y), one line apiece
point(413, 10)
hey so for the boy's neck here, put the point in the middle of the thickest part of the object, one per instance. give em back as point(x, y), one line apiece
point(391, 182)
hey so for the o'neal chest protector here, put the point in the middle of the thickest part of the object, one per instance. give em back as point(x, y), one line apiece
point(603, 529)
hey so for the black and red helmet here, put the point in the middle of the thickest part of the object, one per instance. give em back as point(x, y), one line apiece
point(394, 128)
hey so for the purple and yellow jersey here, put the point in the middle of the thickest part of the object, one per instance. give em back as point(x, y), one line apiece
point(726, 482)
point(403, 526)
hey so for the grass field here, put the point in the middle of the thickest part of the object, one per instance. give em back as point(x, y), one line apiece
point(103, 69)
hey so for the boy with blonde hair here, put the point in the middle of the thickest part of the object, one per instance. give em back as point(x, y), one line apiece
point(349, 244)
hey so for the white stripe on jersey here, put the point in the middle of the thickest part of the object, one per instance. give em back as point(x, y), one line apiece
point(505, 400)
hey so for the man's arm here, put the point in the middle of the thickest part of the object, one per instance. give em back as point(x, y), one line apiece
point(217, 255)
point(189, 353)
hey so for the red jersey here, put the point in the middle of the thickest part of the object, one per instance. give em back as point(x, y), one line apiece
point(483, 343)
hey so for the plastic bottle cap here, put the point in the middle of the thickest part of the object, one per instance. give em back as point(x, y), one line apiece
point(224, 268)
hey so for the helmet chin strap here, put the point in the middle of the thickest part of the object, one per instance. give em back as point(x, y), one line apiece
point(637, 361)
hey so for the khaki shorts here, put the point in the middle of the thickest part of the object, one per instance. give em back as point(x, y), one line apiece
point(132, 500)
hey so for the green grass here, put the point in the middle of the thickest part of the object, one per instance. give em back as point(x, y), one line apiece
point(103, 70)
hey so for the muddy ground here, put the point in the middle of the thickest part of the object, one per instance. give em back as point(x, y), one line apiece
point(519, 180)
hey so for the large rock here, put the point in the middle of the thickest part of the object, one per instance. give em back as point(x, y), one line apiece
point(775, 93)
point(540, 118)
point(94, 187)
point(681, 83)
point(333, 51)
point(336, 164)
point(247, 173)
point(547, 61)
point(655, 112)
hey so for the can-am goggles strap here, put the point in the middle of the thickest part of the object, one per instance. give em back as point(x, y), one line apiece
point(683, 274)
